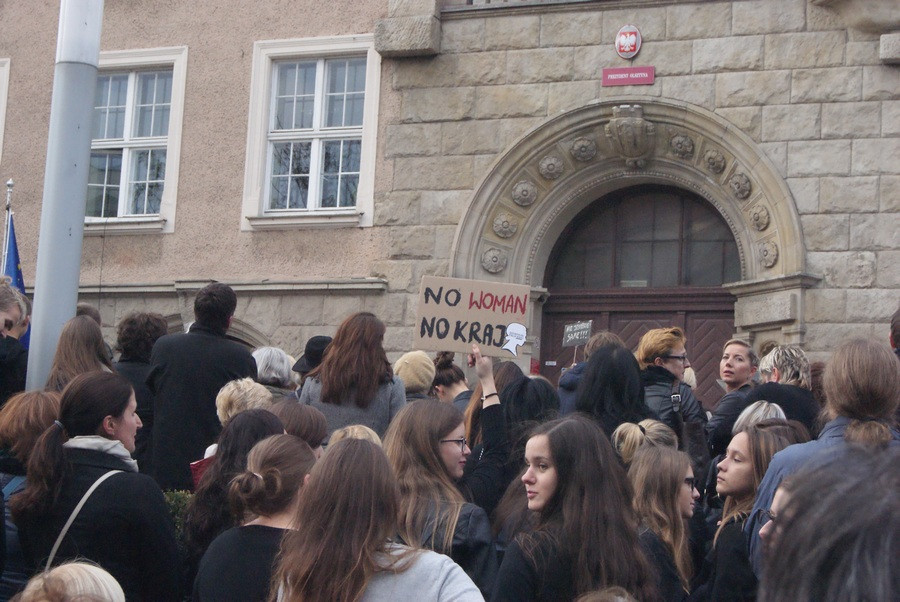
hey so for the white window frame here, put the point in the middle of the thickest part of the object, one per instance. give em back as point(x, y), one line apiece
point(4, 90)
point(256, 177)
point(121, 61)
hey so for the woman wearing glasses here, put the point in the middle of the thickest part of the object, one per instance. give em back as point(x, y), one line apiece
point(427, 449)
point(662, 357)
point(664, 499)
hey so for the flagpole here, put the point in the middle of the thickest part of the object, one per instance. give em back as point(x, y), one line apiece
point(9, 187)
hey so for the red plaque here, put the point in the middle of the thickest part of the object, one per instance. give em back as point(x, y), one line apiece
point(628, 76)
point(628, 42)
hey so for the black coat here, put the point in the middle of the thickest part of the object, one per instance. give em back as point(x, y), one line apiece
point(727, 572)
point(485, 476)
point(658, 390)
point(125, 527)
point(136, 373)
point(718, 429)
point(187, 372)
point(13, 365)
point(798, 403)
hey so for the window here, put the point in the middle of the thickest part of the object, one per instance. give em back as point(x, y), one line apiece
point(311, 138)
point(653, 237)
point(136, 140)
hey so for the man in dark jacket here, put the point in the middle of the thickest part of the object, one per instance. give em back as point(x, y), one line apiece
point(187, 372)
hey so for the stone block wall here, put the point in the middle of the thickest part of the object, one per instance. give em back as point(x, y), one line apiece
point(813, 94)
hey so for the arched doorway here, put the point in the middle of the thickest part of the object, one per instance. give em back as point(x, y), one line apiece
point(644, 257)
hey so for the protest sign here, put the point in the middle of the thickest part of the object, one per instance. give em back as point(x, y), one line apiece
point(576, 333)
point(454, 313)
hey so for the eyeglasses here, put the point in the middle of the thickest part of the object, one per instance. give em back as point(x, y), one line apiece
point(690, 482)
point(460, 442)
point(675, 357)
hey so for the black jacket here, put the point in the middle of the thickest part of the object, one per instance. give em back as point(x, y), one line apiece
point(486, 475)
point(718, 429)
point(187, 372)
point(125, 527)
point(798, 403)
point(727, 572)
point(472, 548)
point(544, 575)
point(568, 388)
point(137, 372)
point(658, 390)
point(13, 365)
point(668, 581)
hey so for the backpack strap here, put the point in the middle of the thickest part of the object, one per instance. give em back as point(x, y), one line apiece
point(74, 514)
point(12, 486)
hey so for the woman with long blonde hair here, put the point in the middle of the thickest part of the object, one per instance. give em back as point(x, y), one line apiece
point(341, 548)
point(664, 499)
point(427, 449)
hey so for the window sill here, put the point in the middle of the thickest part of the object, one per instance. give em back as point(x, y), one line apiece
point(310, 220)
point(124, 225)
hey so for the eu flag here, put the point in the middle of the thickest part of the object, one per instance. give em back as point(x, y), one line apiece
point(12, 267)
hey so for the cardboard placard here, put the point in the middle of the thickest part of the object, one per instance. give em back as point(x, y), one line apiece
point(453, 313)
point(577, 333)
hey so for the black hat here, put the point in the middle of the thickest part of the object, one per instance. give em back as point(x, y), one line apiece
point(312, 355)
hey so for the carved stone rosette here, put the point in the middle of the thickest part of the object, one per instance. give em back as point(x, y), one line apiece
point(631, 136)
point(715, 161)
point(740, 186)
point(505, 225)
point(524, 193)
point(759, 217)
point(551, 167)
point(583, 149)
point(768, 254)
point(682, 145)
point(494, 260)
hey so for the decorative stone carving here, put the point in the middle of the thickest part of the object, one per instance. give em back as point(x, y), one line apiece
point(715, 161)
point(584, 149)
point(551, 167)
point(631, 135)
point(682, 145)
point(740, 185)
point(505, 225)
point(768, 254)
point(494, 260)
point(759, 217)
point(524, 193)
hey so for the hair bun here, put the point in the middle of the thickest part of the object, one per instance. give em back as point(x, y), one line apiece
point(444, 359)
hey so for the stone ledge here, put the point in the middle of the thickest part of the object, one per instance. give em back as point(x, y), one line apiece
point(408, 36)
point(355, 285)
point(889, 49)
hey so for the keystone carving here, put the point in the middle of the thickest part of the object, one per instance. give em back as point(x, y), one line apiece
point(682, 146)
point(494, 260)
point(759, 217)
point(740, 185)
point(715, 161)
point(505, 225)
point(768, 254)
point(524, 193)
point(584, 149)
point(631, 135)
point(551, 167)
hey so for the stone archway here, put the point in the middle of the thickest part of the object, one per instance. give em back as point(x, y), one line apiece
point(554, 171)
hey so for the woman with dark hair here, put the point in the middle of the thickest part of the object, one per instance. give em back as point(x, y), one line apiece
point(80, 349)
point(450, 384)
point(427, 449)
point(862, 387)
point(340, 549)
point(302, 421)
point(728, 574)
point(208, 513)
point(586, 533)
point(22, 420)
point(135, 336)
point(124, 524)
point(355, 383)
point(611, 390)
point(664, 499)
point(238, 564)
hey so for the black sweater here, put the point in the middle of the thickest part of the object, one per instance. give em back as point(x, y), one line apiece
point(238, 565)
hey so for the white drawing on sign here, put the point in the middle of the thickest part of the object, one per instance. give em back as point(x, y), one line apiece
point(515, 337)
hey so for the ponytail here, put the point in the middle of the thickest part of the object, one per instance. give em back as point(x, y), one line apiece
point(46, 470)
point(871, 434)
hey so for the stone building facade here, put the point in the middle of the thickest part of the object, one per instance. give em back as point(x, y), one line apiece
point(487, 136)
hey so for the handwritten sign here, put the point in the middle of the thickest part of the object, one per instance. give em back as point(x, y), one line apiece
point(576, 333)
point(453, 313)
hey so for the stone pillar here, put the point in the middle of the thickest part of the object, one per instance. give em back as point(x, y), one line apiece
point(771, 310)
point(413, 28)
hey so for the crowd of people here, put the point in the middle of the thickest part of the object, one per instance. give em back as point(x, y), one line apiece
point(186, 466)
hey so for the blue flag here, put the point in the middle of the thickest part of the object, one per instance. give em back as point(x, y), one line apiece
point(13, 269)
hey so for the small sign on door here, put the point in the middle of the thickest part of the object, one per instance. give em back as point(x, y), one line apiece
point(577, 333)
